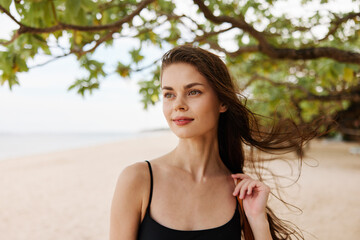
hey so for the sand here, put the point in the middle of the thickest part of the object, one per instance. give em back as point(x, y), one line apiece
point(67, 194)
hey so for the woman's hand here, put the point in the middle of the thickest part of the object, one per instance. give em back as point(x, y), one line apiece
point(253, 193)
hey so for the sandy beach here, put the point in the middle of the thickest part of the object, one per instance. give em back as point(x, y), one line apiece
point(67, 194)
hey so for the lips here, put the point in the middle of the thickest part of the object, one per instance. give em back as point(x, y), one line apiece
point(182, 120)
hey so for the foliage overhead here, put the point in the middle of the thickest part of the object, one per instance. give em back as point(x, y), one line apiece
point(304, 66)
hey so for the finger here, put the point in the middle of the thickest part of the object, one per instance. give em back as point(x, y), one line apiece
point(244, 189)
point(240, 176)
point(251, 186)
point(238, 186)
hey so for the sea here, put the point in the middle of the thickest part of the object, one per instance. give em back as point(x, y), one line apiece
point(14, 145)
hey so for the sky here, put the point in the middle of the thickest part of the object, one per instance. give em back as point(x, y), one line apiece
point(42, 103)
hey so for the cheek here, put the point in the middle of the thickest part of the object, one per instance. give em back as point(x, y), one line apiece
point(207, 106)
point(166, 110)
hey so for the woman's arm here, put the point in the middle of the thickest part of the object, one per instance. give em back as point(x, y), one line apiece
point(255, 195)
point(127, 202)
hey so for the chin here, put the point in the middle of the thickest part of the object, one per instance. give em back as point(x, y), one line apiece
point(191, 131)
point(184, 132)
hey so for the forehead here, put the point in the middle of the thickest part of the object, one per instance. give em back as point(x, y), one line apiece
point(181, 74)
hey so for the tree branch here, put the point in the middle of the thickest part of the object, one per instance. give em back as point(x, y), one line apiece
point(337, 24)
point(238, 22)
point(316, 52)
point(241, 50)
point(49, 61)
point(98, 43)
point(64, 26)
point(281, 53)
point(245, 49)
point(296, 104)
point(9, 15)
point(147, 66)
point(351, 94)
point(54, 11)
point(13, 38)
point(210, 34)
point(288, 85)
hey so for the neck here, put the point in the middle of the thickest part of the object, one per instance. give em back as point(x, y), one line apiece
point(199, 156)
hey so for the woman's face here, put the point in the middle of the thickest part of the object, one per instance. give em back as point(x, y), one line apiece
point(190, 105)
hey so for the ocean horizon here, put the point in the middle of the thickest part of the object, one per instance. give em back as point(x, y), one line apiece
point(13, 145)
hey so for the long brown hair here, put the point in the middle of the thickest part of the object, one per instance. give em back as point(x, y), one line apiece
point(239, 127)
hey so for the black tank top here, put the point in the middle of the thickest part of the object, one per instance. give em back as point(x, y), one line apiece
point(149, 229)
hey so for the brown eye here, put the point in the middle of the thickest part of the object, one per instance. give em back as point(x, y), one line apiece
point(194, 92)
point(168, 95)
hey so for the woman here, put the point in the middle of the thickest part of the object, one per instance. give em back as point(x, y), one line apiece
point(190, 193)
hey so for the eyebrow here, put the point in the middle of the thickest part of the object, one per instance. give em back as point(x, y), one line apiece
point(190, 85)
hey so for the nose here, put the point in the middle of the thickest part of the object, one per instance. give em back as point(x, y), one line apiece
point(180, 104)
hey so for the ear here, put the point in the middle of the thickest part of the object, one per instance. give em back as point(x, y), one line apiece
point(223, 107)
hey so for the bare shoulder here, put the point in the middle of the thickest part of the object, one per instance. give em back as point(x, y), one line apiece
point(135, 173)
point(128, 201)
point(133, 181)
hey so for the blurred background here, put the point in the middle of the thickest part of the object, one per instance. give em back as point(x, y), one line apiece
point(80, 87)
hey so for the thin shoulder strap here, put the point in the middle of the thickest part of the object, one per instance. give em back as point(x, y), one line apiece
point(151, 183)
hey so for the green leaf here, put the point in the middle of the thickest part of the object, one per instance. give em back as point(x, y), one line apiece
point(80, 18)
point(5, 4)
point(88, 5)
point(84, 85)
point(72, 8)
point(348, 75)
point(123, 70)
point(136, 56)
